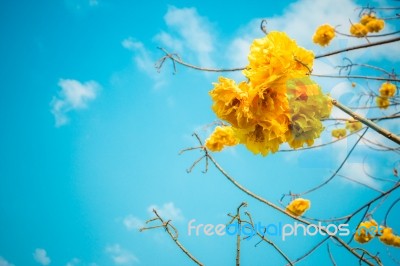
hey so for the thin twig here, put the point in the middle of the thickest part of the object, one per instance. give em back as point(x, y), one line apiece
point(331, 256)
point(272, 205)
point(174, 236)
point(338, 169)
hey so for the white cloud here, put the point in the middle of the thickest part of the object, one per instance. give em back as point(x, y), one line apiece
point(73, 262)
point(357, 171)
point(168, 211)
point(299, 21)
point(169, 41)
point(188, 30)
point(131, 222)
point(74, 95)
point(144, 60)
point(121, 256)
point(40, 256)
point(93, 3)
point(3, 262)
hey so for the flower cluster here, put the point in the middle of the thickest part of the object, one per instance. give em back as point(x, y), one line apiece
point(221, 137)
point(362, 235)
point(279, 103)
point(368, 230)
point(351, 125)
point(387, 237)
point(386, 91)
point(298, 206)
point(368, 23)
point(324, 34)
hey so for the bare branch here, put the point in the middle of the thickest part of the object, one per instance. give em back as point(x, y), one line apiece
point(174, 235)
point(367, 122)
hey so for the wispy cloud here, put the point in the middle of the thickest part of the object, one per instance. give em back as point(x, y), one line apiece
point(73, 262)
point(3, 262)
point(73, 95)
point(144, 60)
point(121, 256)
point(81, 6)
point(188, 30)
point(358, 172)
point(93, 2)
point(40, 256)
point(297, 22)
point(132, 223)
point(168, 211)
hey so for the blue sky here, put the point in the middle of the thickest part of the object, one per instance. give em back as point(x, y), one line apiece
point(91, 132)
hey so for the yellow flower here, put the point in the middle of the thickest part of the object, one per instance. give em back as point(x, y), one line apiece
point(279, 103)
point(338, 133)
point(231, 102)
point(298, 206)
point(389, 238)
point(358, 30)
point(353, 125)
point(367, 18)
point(366, 231)
point(275, 58)
point(375, 25)
point(264, 137)
point(353, 84)
point(324, 34)
point(221, 137)
point(387, 90)
point(308, 105)
point(382, 102)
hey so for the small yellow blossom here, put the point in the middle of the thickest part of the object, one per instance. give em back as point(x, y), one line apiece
point(387, 90)
point(353, 125)
point(221, 137)
point(382, 102)
point(375, 25)
point(358, 30)
point(367, 18)
point(366, 231)
point(339, 133)
point(298, 206)
point(389, 238)
point(353, 84)
point(324, 34)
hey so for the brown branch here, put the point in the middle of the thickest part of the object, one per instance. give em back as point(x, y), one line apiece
point(176, 59)
point(167, 225)
point(367, 36)
point(272, 205)
point(331, 256)
point(367, 122)
point(263, 238)
point(356, 77)
point(358, 47)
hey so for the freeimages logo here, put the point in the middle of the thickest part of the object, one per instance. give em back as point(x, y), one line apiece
point(271, 229)
point(371, 230)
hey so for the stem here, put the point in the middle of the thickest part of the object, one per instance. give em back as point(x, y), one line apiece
point(175, 239)
point(355, 77)
point(358, 47)
point(367, 122)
